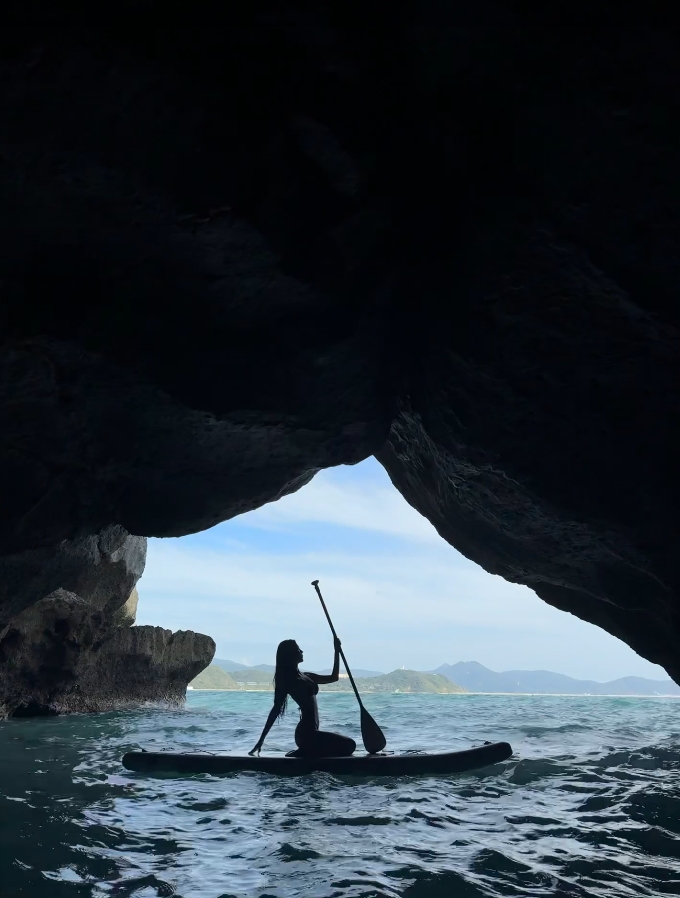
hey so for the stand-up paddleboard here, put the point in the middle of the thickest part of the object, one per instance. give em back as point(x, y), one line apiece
point(406, 764)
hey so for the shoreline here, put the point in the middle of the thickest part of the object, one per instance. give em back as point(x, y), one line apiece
point(459, 694)
point(572, 694)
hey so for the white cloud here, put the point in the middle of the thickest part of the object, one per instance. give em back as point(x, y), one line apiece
point(377, 587)
point(401, 596)
point(366, 506)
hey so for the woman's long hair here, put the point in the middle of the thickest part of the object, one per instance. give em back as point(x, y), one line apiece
point(287, 655)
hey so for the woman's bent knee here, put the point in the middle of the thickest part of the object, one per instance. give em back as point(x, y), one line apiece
point(322, 744)
point(345, 746)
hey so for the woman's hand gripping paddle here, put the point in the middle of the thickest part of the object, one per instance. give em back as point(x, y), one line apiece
point(372, 735)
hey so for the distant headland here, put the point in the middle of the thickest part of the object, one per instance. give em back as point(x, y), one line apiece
point(253, 679)
point(477, 678)
point(463, 677)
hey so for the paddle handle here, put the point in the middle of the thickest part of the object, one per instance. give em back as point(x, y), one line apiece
point(315, 584)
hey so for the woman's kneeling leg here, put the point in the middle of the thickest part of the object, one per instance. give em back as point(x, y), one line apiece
point(321, 744)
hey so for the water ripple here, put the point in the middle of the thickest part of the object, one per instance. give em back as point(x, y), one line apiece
point(589, 806)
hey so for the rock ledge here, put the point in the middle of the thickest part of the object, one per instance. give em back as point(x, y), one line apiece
point(61, 655)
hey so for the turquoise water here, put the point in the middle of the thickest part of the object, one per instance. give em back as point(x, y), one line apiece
point(589, 804)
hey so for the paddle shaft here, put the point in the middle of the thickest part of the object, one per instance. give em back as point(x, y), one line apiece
point(315, 584)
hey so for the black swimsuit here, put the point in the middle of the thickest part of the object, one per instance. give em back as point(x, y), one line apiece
point(309, 739)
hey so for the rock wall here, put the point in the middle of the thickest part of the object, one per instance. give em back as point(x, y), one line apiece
point(62, 650)
point(231, 257)
point(62, 655)
point(541, 445)
point(103, 569)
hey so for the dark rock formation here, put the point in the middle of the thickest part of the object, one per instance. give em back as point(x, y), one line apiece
point(62, 655)
point(540, 445)
point(103, 569)
point(66, 640)
point(232, 256)
point(139, 664)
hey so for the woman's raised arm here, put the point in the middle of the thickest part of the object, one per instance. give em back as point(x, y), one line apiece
point(335, 675)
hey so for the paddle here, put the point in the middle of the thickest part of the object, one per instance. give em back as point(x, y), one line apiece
point(372, 735)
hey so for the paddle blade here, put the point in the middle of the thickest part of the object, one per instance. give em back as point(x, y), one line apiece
point(372, 735)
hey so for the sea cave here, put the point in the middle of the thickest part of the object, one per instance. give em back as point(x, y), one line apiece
point(245, 248)
point(234, 257)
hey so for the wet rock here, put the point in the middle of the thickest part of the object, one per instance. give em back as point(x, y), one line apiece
point(63, 655)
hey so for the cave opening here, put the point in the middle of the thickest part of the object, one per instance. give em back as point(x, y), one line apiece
point(235, 256)
point(401, 596)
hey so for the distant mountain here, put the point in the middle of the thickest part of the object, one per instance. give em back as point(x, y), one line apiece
point(227, 665)
point(397, 681)
point(213, 677)
point(230, 666)
point(358, 672)
point(477, 678)
point(251, 677)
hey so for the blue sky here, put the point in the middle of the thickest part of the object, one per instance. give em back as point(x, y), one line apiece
point(398, 593)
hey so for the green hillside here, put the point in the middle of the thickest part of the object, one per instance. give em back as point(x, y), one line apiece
point(253, 679)
point(213, 677)
point(413, 681)
point(398, 681)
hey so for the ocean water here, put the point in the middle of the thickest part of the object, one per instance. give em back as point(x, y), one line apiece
point(588, 805)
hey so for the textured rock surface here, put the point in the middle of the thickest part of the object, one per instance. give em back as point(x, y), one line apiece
point(140, 664)
point(231, 257)
point(127, 613)
point(66, 641)
point(541, 447)
point(102, 569)
point(63, 655)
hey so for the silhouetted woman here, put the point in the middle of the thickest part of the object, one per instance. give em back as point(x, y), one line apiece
point(302, 688)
